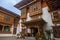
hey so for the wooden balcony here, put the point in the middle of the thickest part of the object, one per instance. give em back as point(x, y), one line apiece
point(37, 12)
point(23, 16)
point(55, 21)
point(34, 22)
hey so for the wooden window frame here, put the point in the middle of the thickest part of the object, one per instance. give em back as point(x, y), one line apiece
point(7, 18)
point(24, 11)
point(56, 31)
point(55, 15)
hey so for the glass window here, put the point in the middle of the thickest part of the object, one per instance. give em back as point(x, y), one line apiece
point(35, 8)
point(6, 28)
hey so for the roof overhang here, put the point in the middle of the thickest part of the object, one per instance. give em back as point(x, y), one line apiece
point(53, 4)
point(5, 11)
point(36, 21)
point(24, 3)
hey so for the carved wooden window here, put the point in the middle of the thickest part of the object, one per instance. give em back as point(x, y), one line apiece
point(1, 19)
point(23, 13)
point(55, 15)
point(56, 31)
point(37, 6)
point(7, 18)
point(35, 9)
point(30, 9)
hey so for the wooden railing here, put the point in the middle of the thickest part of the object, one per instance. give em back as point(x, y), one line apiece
point(56, 20)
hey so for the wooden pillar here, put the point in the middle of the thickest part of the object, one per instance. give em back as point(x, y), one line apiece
point(38, 30)
point(3, 28)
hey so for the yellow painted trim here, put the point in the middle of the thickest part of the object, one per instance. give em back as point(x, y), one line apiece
point(27, 4)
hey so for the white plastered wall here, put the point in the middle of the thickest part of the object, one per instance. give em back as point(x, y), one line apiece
point(47, 17)
point(19, 27)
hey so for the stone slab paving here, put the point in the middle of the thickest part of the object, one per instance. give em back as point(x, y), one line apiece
point(14, 38)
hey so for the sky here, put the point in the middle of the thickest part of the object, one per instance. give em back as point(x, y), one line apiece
point(9, 4)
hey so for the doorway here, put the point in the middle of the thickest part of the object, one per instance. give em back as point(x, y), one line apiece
point(34, 31)
point(1, 27)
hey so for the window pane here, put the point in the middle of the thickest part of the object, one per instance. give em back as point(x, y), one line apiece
point(6, 28)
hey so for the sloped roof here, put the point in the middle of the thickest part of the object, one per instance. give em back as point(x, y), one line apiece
point(22, 3)
point(34, 21)
point(7, 12)
point(53, 4)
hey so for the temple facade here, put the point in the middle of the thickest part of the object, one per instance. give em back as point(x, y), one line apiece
point(38, 16)
point(8, 22)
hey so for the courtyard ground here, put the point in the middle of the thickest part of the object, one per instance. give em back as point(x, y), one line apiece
point(14, 38)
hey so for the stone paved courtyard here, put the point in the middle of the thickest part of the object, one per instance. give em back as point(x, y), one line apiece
point(14, 38)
